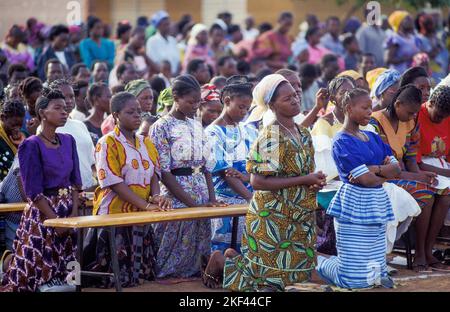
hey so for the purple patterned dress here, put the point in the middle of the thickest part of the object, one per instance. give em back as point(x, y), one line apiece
point(40, 254)
point(180, 245)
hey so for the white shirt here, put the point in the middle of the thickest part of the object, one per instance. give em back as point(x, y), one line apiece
point(77, 115)
point(250, 34)
point(85, 149)
point(61, 57)
point(160, 49)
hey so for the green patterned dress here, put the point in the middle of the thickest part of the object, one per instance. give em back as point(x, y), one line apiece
point(279, 237)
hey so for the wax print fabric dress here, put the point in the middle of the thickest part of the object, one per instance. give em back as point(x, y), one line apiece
point(279, 237)
point(230, 147)
point(181, 245)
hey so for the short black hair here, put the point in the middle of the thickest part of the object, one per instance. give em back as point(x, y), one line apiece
point(16, 68)
point(194, 65)
point(285, 15)
point(119, 100)
point(441, 99)
point(76, 69)
point(243, 67)
point(12, 108)
point(122, 68)
point(308, 70)
point(236, 86)
point(58, 30)
point(348, 40)
point(51, 61)
point(285, 72)
point(96, 89)
point(157, 83)
point(311, 31)
point(78, 85)
point(407, 94)
point(224, 15)
point(122, 28)
point(30, 85)
point(333, 18)
point(184, 84)
point(412, 74)
point(92, 20)
point(233, 28)
point(117, 89)
point(327, 59)
point(44, 100)
point(263, 27)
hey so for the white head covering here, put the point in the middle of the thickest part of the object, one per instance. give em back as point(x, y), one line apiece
point(262, 94)
point(198, 28)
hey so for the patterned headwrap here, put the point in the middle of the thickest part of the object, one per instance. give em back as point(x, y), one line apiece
point(384, 81)
point(210, 93)
point(262, 95)
point(396, 18)
point(135, 87)
point(165, 98)
point(373, 74)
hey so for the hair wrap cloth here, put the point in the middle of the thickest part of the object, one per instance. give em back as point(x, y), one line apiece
point(387, 79)
point(373, 74)
point(351, 73)
point(135, 87)
point(210, 93)
point(262, 95)
point(396, 18)
point(158, 17)
point(165, 98)
point(196, 30)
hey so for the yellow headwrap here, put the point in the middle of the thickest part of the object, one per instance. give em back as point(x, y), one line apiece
point(351, 73)
point(396, 18)
point(373, 74)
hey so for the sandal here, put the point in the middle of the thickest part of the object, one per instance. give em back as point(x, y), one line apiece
point(439, 267)
point(5, 255)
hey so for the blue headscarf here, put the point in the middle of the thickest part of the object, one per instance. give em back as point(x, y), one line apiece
point(158, 17)
point(384, 81)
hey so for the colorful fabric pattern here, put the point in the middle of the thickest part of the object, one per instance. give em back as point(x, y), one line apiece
point(40, 254)
point(180, 245)
point(230, 146)
point(279, 238)
point(118, 161)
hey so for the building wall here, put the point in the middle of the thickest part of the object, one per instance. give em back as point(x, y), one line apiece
point(51, 11)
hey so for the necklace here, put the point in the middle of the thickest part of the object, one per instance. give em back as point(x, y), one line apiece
point(335, 119)
point(54, 142)
point(294, 137)
point(360, 135)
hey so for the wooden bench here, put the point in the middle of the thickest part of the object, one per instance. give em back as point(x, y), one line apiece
point(110, 222)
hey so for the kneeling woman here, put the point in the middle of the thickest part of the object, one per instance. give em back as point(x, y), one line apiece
point(279, 237)
point(51, 180)
point(127, 169)
point(361, 207)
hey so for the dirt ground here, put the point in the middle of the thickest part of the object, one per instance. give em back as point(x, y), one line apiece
point(405, 280)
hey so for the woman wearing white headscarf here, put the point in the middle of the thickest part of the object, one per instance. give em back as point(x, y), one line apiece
point(198, 47)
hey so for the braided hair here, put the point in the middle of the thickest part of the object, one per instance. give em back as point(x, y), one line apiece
point(184, 84)
point(12, 108)
point(30, 85)
point(44, 100)
point(349, 96)
point(337, 83)
point(236, 86)
point(441, 99)
point(407, 94)
point(57, 84)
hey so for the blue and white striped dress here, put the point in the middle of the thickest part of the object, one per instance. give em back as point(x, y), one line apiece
point(360, 216)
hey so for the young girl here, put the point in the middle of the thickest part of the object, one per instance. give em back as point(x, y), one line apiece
point(99, 96)
point(361, 208)
point(128, 175)
point(230, 142)
point(51, 180)
point(397, 127)
point(180, 142)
